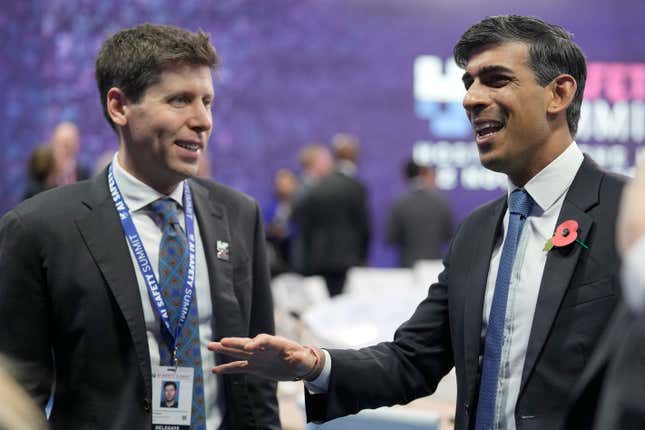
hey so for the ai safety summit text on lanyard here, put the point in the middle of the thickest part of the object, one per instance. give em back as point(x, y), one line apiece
point(144, 262)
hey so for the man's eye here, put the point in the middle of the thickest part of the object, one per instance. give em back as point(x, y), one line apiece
point(179, 100)
point(499, 81)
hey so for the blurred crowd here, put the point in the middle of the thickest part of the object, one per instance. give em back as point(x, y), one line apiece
point(56, 162)
point(317, 221)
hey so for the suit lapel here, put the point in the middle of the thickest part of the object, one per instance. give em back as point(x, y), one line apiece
point(474, 306)
point(104, 237)
point(561, 263)
point(214, 228)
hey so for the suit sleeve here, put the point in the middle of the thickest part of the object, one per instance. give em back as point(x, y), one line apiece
point(24, 310)
point(262, 391)
point(396, 372)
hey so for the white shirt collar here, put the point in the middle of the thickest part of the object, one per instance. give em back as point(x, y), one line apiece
point(555, 179)
point(137, 194)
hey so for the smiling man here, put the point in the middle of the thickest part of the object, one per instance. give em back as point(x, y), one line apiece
point(110, 285)
point(517, 319)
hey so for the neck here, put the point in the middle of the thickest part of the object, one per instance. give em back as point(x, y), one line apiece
point(552, 149)
point(126, 163)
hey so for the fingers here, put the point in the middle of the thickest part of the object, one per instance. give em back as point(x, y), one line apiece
point(228, 351)
point(235, 342)
point(231, 368)
point(263, 342)
point(260, 342)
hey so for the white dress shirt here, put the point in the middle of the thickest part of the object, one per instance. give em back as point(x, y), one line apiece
point(548, 189)
point(138, 196)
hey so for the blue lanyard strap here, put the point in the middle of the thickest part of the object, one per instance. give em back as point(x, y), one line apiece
point(141, 256)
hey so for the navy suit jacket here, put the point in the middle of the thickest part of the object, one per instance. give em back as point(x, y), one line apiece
point(577, 295)
point(70, 304)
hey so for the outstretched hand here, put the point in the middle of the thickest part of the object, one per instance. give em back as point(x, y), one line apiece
point(272, 357)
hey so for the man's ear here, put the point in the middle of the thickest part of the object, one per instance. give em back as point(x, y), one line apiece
point(563, 90)
point(117, 106)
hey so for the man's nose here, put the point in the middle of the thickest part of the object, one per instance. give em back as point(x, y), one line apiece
point(475, 99)
point(201, 118)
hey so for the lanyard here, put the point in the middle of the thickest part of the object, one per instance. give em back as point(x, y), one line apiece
point(144, 262)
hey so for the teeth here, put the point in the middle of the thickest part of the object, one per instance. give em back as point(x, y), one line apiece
point(189, 146)
point(488, 124)
point(488, 127)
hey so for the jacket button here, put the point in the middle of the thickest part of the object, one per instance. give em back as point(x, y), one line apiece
point(146, 405)
point(467, 407)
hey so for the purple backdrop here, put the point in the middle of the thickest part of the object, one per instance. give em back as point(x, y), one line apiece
point(296, 71)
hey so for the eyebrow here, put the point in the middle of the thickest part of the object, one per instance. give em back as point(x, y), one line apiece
point(486, 70)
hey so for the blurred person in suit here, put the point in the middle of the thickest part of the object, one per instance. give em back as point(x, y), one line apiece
point(316, 163)
point(65, 144)
point(41, 171)
point(529, 279)
point(420, 221)
point(278, 222)
point(333, 219)
point(611, 392)
point(108, 283)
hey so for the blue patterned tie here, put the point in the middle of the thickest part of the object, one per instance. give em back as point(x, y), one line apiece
point(519, 206)
point(173, 265)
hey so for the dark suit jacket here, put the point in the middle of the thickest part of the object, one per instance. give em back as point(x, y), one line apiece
point(419, 224)
point(577, 294)
point(70, 305)
point(333, 220)
point(611, 392)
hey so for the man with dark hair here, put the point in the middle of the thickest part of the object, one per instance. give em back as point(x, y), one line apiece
point(516, 310)
point(420, 220)
point(108, 283)
point(170, 393)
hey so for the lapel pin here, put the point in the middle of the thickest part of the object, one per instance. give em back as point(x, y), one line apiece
point(565, 234)
point(222, 250)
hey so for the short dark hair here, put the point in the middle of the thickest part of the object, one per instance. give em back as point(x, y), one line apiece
point(167, 383)
point(133, 59)
point(552, 51)
point(411, 170)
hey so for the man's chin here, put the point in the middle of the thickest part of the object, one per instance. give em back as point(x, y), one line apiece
point(489, 162)
point(185, 171)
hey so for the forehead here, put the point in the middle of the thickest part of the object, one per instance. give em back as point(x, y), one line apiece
point(510, 55)
point(185, 77)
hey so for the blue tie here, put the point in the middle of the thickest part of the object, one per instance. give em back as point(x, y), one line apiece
point(173, 265)
point(519, 206)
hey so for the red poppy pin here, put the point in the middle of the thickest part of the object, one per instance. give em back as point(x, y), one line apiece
point(565, 234)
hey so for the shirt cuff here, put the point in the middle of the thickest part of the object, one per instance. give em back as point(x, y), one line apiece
point(320, 385)
point(633, 276)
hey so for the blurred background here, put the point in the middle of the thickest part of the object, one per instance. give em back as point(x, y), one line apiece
point(299, 71)
point(295, 74)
